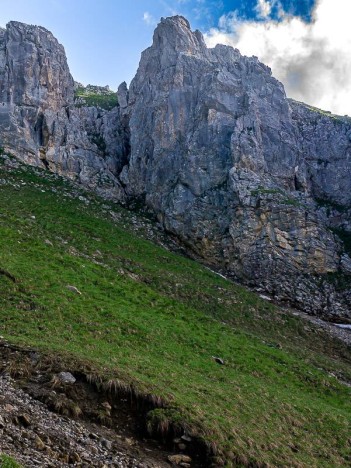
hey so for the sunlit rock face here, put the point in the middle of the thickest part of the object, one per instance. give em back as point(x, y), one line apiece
point(234, 168)
point(38, 120)
point(251, 182)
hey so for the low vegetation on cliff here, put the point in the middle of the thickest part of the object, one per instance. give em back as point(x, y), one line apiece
point(95, 96)
point(79, 278)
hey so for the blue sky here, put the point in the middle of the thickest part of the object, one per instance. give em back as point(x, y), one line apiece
point(104, 38)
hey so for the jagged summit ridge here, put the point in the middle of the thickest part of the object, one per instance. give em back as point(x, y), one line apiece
point(34, 68)
point(248, 180)
point(38, 120)
point(175, 33)
point(220, 81)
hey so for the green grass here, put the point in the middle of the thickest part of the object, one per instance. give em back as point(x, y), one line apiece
point(8, 462)
point(324, 113)
point(105, 101)
point(154, 319)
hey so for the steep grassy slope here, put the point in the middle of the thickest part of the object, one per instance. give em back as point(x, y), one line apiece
point(154, 320)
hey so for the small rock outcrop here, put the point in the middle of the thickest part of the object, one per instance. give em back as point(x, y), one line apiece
point(253, 183)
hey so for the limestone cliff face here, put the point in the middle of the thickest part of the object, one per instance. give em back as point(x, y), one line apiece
point(34, 77)
point(38, 121)
point(250, 181)
point(233, 168)
point(34, 69)
point(325, 152)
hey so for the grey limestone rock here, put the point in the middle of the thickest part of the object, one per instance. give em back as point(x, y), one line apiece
point(234, 168)
point(38, 120)
point(66, 377)
point(123, 95)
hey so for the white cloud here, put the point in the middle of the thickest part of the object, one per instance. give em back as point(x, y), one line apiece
point(264, 8)
point(149, 19)
point(311, 59)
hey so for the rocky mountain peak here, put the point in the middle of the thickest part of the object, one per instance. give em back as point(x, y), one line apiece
point(172, 38)
point(33, 68)
point(178, 21)
point(173, 34)
point(29, 28)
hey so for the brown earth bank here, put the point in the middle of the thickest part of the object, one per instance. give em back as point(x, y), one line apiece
point(55, 414)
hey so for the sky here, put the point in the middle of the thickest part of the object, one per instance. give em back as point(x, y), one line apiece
point(307, 43)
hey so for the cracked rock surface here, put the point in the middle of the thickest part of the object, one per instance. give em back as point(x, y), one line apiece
point(238, 171)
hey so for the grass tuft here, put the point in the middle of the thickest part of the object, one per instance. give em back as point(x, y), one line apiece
point(8, 462)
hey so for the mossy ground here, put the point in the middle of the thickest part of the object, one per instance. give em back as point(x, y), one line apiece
point(154, 319)
point(8, 462)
